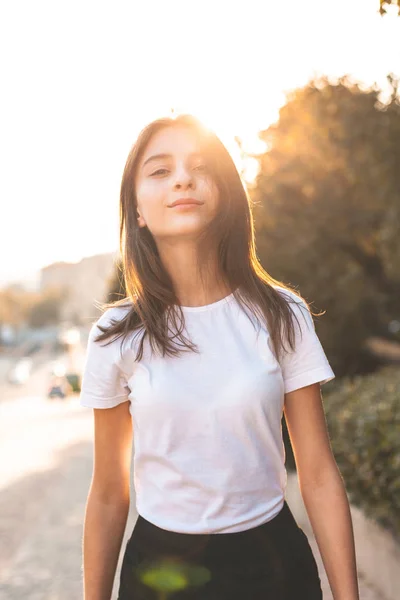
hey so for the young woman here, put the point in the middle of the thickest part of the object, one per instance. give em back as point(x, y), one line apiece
point(197, 365)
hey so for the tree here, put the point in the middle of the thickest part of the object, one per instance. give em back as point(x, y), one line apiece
point(15, 305)
point(47, 310)
point(328, 213)
point(384, 3)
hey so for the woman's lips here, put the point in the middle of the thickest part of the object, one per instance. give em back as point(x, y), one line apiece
point(186, 205)
point(185, 202)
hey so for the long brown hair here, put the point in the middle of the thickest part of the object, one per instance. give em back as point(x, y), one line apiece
point(150, 293)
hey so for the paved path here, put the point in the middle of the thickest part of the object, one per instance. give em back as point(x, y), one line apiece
point(45, 480)
point(45, 471)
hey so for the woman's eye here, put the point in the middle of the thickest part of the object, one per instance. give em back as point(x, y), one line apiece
point(163, 171)
point(158, 172)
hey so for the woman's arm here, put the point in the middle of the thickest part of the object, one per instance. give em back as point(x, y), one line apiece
point(108, 500)
point(322, 489)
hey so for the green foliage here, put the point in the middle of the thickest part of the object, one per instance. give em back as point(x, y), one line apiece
point(327, 213)
point(74, 381)
point(19, 307)
point(16, 304)
point(363, 418)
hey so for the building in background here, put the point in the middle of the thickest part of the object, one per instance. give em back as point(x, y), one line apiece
point(84, 283)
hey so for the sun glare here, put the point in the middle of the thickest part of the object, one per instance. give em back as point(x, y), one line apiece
point(240, 137)
point(230, 69)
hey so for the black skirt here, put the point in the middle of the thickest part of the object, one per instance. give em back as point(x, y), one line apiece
point(273, 561)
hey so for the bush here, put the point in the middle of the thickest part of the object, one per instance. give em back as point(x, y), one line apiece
point(363, 418)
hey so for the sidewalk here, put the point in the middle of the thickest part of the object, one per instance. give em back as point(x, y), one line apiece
point(41, 513)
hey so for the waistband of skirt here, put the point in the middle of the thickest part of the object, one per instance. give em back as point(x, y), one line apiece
point(284, 516)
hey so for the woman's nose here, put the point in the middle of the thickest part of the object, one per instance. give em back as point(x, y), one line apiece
point(184, 179)
point(180, 185)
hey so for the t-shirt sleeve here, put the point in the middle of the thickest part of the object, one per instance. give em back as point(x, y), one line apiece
point(103, 383)
point(307, 363)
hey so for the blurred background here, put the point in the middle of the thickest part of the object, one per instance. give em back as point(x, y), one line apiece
point(306, 97)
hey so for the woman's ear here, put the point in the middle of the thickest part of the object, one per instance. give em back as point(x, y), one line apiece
point(141, 221)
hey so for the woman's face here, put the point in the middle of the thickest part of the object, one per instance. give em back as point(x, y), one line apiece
point(173, 168)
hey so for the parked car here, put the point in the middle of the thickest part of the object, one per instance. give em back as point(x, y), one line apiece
point(58, 368)
point(59, 387)
point(21, 371)
point(56, 391)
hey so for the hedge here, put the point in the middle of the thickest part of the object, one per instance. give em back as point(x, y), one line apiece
point(363, 419)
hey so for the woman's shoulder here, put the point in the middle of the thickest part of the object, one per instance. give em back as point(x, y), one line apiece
point(298, 306)
point(113, 314)
point(292, 297)
point(109, 335)
point(289, 293)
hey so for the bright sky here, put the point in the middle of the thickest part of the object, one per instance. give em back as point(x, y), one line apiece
point(80, 79)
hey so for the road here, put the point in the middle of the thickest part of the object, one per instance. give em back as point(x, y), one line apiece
point(45, 470)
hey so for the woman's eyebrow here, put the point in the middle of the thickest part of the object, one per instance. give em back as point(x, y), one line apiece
point(156, 157)
point(163, 155)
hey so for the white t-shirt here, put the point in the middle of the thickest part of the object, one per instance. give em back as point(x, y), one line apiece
point(208, 449)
